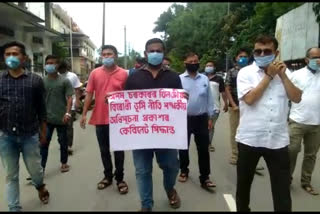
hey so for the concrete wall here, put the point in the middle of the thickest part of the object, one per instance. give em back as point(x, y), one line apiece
point(296, 32)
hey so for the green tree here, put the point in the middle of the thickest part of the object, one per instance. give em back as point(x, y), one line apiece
point(208, 30)
point(59, 49)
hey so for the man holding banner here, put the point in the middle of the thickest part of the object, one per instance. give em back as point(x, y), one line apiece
point(150, 76)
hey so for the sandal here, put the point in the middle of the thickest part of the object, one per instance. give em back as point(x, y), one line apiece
point(43, 194)
point(309, 189)
point(211, 148)
point(123, 187)
point(174, 199)
point(104, 183)
point(65, 168)
point(208, 185)
point(183, 177)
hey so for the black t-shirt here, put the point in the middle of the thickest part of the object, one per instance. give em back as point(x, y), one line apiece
point(220, 81)
point(143, 79)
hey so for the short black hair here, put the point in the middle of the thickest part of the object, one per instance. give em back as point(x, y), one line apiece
point(52, 57)
point(167, 58)
point(17, 44)
point(155, 40)
point(189, 54)
point(63, 65)
point(210, 60)
point(308, 51)
point(140, 60)
point(240, 50)
point(265, 39)
point(111, 47)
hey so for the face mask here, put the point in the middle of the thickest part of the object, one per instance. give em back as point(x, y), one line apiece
point(155, 58)
point(209, 70)
point(50, 68)
point(243, 61)
point(108, 62)
point(192, 67)
point(313, 64)
point(12, 62)
point(264, 61)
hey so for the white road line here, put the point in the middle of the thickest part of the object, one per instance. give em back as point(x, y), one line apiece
point(231, 202)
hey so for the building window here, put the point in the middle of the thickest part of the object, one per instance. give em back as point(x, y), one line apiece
point(6, 31)
point(37, 40)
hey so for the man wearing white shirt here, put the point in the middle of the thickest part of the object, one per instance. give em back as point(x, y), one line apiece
point(304, 118)
point(76, 84)
point(263, 92)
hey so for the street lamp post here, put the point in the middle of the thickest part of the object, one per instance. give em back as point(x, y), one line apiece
point(125, 47)
point(227, 50)
point(103, 22)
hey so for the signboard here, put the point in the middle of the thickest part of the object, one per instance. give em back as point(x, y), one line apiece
point(148, 119)
point(296, 32)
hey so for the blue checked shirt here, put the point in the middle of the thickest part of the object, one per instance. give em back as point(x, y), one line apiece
point(200, 96)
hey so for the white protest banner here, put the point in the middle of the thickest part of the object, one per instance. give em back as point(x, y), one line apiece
point(148, 119)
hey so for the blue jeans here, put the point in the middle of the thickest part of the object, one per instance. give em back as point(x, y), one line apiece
point(10, 148)
point(169, 163)
point(62, 140)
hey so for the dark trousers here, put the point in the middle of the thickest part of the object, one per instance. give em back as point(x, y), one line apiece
point(277, 161)
point(70, 128)
point(62, 140)
point(197, 125)
point(102, 132)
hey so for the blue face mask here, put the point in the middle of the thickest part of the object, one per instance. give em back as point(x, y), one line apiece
point(243, 61)
point(155, 58)
point(50, 68)
point(108, 62)
point(264, 61)
point(313, 64)
point(12, 62)
point(209, 70)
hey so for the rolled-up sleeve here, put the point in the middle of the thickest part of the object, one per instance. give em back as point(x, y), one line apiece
point(228, 78)
point(244, 85)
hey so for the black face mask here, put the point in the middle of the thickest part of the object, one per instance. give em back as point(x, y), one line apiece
point(192, 67)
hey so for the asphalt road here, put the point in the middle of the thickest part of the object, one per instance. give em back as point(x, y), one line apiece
point(77, 190)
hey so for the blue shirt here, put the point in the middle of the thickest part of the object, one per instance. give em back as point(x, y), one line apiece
point(200, 96)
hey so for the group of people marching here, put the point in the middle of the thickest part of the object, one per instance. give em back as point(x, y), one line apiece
point(256, 94)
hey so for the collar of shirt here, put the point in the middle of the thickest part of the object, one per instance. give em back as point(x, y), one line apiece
point(116, 69)
point(311, 70)
point(162, 69)
point(25, 73)
point(186, 74)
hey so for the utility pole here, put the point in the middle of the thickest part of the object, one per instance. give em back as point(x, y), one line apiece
point(125, 48)
point(103, 22)
point(71, 52)
point(227, 50)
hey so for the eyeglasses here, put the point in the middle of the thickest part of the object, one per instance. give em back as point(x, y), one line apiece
point(258, 52)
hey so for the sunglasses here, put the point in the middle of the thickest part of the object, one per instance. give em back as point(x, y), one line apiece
point(258, 52)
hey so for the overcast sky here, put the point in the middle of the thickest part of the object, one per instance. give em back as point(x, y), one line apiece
point(139, 19)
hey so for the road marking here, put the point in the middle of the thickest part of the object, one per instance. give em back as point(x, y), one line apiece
point(231, 202)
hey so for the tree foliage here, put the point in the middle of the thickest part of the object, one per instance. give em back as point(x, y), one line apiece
point(208, 29)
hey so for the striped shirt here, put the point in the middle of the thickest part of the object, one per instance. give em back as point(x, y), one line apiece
point(22, 103)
